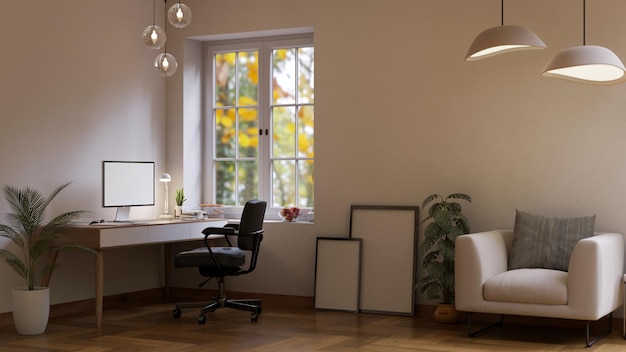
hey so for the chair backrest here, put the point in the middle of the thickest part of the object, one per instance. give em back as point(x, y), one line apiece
point(251, 222)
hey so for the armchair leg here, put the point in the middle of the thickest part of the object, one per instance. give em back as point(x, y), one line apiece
point(485, 329)
point(590, 343)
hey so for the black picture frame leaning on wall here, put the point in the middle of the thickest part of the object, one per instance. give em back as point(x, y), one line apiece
point(337, 273)
point(389, 257)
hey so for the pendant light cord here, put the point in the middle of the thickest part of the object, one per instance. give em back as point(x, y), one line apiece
point(165, 24)
point(502, 12)
point(584, 22)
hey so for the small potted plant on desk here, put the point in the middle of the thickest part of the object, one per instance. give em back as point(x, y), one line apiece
point(33, 238)
point(180, 199)
point(445, 223)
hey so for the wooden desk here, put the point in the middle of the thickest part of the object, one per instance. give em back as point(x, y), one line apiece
point(103, 236)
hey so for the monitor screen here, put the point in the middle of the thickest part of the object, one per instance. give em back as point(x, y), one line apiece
point(127, 183)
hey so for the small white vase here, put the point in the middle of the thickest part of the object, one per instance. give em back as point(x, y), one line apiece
point(31, 310)
point(178, 211)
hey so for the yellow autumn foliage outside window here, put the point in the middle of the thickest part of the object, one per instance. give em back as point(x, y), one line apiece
point(237, 127)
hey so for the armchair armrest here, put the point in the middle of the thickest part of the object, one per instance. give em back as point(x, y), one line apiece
point(478, 257)
point(595, 275)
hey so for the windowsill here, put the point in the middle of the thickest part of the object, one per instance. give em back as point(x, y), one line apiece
point(272, 221)
point(288, 222)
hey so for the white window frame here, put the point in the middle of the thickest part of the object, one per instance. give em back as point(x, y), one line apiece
point(264, 46)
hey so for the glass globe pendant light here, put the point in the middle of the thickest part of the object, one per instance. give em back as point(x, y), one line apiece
point(179, 15)
point(154, 36)
point(165, 64)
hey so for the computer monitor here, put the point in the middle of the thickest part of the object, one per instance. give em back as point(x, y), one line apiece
point(127, 184)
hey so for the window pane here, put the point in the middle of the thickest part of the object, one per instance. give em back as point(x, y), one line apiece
point(305, 75)
point(225, 133)
point(225, 182)
point(305, 183)
point(283, 182)
point(283, 136)
point(238, 80)
point(283, 76)
point(225, 79)
point(248, 132)
point(248, 181)
point(305, 132)
point(248, 78)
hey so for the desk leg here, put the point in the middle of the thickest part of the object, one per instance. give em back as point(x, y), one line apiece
point(99, 287)
point(167, 269)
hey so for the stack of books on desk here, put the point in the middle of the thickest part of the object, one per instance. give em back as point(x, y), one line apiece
point(192, 215)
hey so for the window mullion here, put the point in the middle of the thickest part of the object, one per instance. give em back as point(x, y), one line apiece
point(265, 178)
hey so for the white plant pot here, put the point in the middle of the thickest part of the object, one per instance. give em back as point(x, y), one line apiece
point(31, 310)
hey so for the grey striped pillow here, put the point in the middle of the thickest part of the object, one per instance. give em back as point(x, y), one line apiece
point(544, 242)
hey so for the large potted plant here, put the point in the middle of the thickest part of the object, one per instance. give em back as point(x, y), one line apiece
point(33, 238)
point(445, 222)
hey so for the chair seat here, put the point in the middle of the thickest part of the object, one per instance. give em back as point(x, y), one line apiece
point(227, 257)
point(535, 286)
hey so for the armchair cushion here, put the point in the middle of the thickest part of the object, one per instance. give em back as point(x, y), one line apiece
point(546, 242)
point(536, 286)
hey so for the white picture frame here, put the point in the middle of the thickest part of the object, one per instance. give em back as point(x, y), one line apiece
point(389, 257)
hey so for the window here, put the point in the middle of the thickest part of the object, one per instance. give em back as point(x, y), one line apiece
point(260, 107)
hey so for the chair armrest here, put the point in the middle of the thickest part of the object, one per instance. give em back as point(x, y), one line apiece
point(595, 275)
point(478, 257)
point(227, 231)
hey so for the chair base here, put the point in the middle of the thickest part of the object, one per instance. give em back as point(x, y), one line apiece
point(250, 305)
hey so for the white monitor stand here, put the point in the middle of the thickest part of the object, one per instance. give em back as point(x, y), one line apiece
point(122, 213)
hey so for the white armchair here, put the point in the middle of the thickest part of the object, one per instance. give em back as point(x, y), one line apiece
point(589, 290)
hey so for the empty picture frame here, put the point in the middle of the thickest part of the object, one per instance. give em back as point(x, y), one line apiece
point(389, 257)
point(337, 268)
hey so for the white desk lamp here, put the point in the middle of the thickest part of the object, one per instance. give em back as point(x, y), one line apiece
point(166, 178)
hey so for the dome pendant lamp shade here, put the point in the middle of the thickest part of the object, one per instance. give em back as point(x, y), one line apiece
point(590, 64)
point(503, 39)
point(587, 64)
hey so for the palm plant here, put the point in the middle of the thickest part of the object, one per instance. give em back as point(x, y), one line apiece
point(33, 237)
point(447, 222)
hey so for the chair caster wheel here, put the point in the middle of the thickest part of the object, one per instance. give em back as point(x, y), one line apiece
point(176, 313)
point(201, 319)
point(254, 317)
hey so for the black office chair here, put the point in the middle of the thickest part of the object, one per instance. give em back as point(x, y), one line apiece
point(219, 262)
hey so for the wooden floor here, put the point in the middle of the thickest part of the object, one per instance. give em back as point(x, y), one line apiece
point(152, 328)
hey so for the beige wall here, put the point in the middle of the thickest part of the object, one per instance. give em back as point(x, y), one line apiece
point(400, 115)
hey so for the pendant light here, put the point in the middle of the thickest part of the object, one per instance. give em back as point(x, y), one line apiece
point(165, 64)
point(179, 15)
point(154, 36)
point(503, 39)
point(587, 63)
